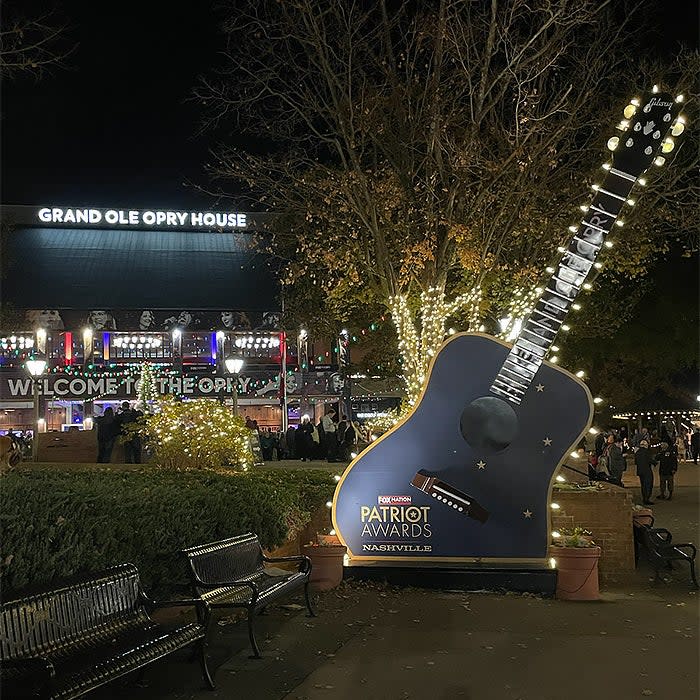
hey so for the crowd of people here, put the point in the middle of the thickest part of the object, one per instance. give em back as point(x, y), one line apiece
point(332, 439)
point(665, 448)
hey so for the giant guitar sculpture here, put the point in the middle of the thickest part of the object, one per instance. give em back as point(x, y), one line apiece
point(468, 475)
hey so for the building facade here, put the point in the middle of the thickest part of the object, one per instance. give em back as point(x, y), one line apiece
point(98, 292)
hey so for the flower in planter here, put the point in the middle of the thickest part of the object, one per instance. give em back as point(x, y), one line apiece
point(576, 537)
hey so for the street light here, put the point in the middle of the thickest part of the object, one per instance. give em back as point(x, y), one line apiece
point(36, 369)
point(233, 366)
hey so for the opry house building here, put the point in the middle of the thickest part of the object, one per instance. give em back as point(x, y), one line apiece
point(96, 292)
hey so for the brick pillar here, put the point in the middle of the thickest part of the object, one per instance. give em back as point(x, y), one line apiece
point(607, 513)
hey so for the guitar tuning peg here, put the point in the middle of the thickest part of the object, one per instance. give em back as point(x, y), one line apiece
point(678, 128)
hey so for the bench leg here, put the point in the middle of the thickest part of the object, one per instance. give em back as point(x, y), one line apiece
point(202, 652)
point(692, 572)
point(308, 600)
point(251, 634)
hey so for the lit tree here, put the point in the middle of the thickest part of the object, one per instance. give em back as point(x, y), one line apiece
point(430, 155)
point(147, 395)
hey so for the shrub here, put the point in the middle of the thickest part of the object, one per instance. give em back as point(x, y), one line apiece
point(60, 521)
point(193, 434)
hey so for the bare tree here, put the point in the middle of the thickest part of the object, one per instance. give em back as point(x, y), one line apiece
point(31, 44)
point(429, 154)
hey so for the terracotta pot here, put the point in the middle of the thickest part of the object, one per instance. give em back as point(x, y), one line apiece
point(326, 566)
point(577, 572)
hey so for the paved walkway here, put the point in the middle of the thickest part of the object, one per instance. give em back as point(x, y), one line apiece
point(371, 641)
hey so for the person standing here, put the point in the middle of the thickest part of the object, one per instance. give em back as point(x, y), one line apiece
point(695, 445)
point(616, 460)
point(291, 442)
point(107, 431)
point(644, 462)
point(132, 441)
point(303, 442)
point(668, 466)
point(329, 431)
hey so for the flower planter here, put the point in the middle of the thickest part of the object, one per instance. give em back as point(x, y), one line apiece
point(643, 516)
point(326, 565)
point(577, 572)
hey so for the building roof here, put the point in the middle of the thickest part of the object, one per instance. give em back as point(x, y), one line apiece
point(77, 268)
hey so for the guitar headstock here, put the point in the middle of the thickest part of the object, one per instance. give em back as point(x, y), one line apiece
point(647, 132)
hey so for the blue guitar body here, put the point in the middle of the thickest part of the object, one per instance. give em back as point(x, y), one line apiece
point(513, 485)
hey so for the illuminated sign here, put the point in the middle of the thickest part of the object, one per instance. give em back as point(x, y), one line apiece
point(155, 218)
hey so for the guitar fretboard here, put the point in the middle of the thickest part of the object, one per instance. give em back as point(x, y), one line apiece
point(541, 328)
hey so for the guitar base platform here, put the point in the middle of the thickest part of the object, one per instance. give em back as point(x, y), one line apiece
point(519, 579)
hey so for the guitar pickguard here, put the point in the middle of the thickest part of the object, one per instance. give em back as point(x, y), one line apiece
point(380, 515)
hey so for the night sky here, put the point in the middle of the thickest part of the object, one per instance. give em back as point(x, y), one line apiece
point(115, 128)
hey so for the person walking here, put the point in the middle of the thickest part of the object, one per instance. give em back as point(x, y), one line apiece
point(107, 431)
point(695, 445)
point(644, 462)
point(668, 466)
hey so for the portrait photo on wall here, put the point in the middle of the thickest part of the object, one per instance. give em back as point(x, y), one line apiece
point(152, 320)
point(50, 319)
point(101, 320)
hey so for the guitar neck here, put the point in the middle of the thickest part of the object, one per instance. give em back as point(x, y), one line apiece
point(543, 324)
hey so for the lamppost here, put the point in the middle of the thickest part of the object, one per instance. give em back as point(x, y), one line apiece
point(36, 369)
point(233, 366)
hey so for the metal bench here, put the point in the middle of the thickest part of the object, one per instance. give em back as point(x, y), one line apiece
point(657, 543)
point(232, 574)
point(63, 643)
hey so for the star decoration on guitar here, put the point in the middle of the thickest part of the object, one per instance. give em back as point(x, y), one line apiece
point(540, 387)
point(481, 464)
point(527, 513)
point(547, 441)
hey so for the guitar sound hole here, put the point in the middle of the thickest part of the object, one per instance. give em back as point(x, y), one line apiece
point(488, 424)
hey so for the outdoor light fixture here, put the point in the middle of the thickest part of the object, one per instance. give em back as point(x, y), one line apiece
point(233, 366)
point(35, 368)
point(257, 342)
point(16, 342)
point(132, 342)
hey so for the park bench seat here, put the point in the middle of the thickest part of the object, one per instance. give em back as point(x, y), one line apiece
point(232, 573)
point(659, 548)
point(63, 643)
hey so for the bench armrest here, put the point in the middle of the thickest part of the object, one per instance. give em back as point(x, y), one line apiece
point(671, 547)
point(661, 531)
point(304, 561)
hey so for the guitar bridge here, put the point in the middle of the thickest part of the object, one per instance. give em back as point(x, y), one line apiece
point(449, 496)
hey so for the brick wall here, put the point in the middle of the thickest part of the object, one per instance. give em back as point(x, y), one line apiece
point(607, 513)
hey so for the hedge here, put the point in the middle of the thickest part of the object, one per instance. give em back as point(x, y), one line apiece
point(57, 522)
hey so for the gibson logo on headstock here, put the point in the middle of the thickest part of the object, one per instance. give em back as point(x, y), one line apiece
point(656, 102)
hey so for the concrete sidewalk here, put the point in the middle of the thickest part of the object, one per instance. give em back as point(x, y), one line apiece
point(371, 641)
